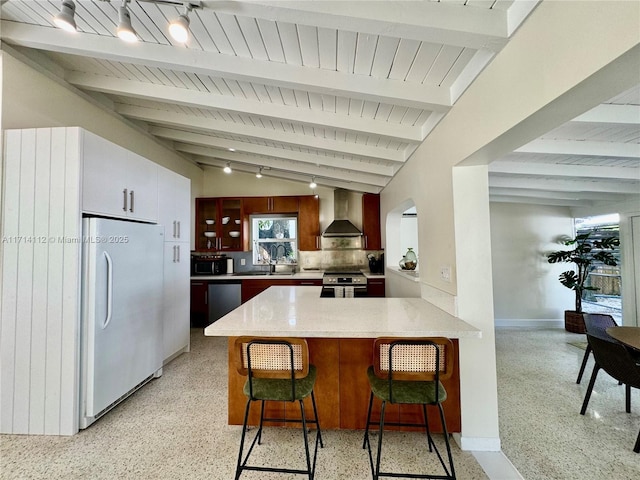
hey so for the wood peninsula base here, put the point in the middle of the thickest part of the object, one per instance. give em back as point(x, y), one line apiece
point(342, 390)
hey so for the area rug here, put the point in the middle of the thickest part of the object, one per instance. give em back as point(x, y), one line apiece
point(581, 345)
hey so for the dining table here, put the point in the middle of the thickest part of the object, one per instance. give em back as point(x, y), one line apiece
point(629, 336)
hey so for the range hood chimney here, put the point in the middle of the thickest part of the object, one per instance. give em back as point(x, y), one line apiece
point(341, 226)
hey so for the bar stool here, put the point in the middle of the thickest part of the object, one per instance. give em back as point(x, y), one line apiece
point(408, 371)
point(277, 369)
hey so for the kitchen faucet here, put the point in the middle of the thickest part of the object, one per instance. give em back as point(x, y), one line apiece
point(274, 259)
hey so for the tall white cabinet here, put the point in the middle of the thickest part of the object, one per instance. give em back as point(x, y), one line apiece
point(51, 177)
point(174, 212)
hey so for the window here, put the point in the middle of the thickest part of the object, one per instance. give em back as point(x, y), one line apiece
point(274, 239)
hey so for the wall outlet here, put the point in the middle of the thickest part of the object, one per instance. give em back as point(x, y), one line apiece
point(445, 273)
point(243, 261)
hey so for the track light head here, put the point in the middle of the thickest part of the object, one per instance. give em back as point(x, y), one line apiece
point(259, 174)
point(64, 19)
point(125, 31)
point(313, 183)
point(179, 28)
point(227, 168)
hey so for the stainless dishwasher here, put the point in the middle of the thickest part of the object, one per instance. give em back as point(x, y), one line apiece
point(224, 296)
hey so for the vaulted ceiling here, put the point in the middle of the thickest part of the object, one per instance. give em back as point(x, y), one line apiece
point(343, 91)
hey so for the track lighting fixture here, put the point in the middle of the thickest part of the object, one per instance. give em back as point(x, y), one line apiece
point(125, 31)
point(227, 168)
point(313, 183)
point(179, 28)
point(65, 19)
point(259, 174)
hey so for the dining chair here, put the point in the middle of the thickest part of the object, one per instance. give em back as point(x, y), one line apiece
point(277, 369)
point(596, 324)
point(409, 371)
point(615, 359)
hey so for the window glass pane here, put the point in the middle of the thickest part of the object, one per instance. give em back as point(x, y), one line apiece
point(274, 239)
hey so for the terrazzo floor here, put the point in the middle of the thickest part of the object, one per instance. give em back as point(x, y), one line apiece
point(541, 429)
point(175, 427)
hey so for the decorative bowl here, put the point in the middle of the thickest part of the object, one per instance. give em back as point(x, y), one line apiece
point(210, 222)
point(209, 234)
point(225, 220)
point(234, 234)
point(237, 220)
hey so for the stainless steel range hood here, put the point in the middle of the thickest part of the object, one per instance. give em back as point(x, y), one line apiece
point(341, 226)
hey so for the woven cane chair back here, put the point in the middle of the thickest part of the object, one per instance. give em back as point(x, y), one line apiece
point(272, 357)
point(413, 359)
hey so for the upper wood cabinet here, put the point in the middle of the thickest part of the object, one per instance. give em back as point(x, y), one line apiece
point(309, 223)
point(258, 205)
point(214, 210)
point(371, 221)
point(117, 182)
point(218, 224)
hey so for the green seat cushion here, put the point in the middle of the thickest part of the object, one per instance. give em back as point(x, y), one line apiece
point(280, 389)
point(406, 391)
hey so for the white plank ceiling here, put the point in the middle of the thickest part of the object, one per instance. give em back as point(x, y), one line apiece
point(343, 91)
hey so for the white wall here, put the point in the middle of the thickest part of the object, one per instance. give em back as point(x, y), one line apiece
point(562, 61)
point(525, 285)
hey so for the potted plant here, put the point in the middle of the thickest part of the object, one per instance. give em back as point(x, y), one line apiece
point(585, 252)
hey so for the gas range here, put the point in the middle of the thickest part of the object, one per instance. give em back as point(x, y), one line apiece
point(344, 284)
point(344, 279)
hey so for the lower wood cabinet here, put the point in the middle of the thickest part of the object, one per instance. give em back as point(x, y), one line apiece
point(251, 288)
point(199, 303)
point(376, 287)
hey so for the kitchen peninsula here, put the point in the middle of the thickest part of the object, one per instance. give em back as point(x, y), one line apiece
point(340, 333)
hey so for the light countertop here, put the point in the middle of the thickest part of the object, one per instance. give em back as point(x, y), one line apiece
point(304, 275)
point(300, 312)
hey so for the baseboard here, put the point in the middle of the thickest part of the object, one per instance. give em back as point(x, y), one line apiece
point(530, 322)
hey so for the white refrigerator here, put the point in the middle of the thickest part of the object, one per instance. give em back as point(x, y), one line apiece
point(121, 330)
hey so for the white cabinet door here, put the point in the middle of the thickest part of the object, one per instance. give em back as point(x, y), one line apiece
point(142, 180)
point(116, 182)
point(176, 298)
point(104, 170)
point(174, 205)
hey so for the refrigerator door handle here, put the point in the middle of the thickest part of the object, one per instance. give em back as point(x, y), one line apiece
point(109, 290)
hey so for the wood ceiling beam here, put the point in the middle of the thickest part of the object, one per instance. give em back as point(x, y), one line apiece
point(204, 125)
point(611, 113)
point(284, 165)
point(574, 147)
point(573, 171)
point(448, 23)
point(198, 99)
point(395, 92)
point(564, 185)
point(559, 195)
point(243, 147)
